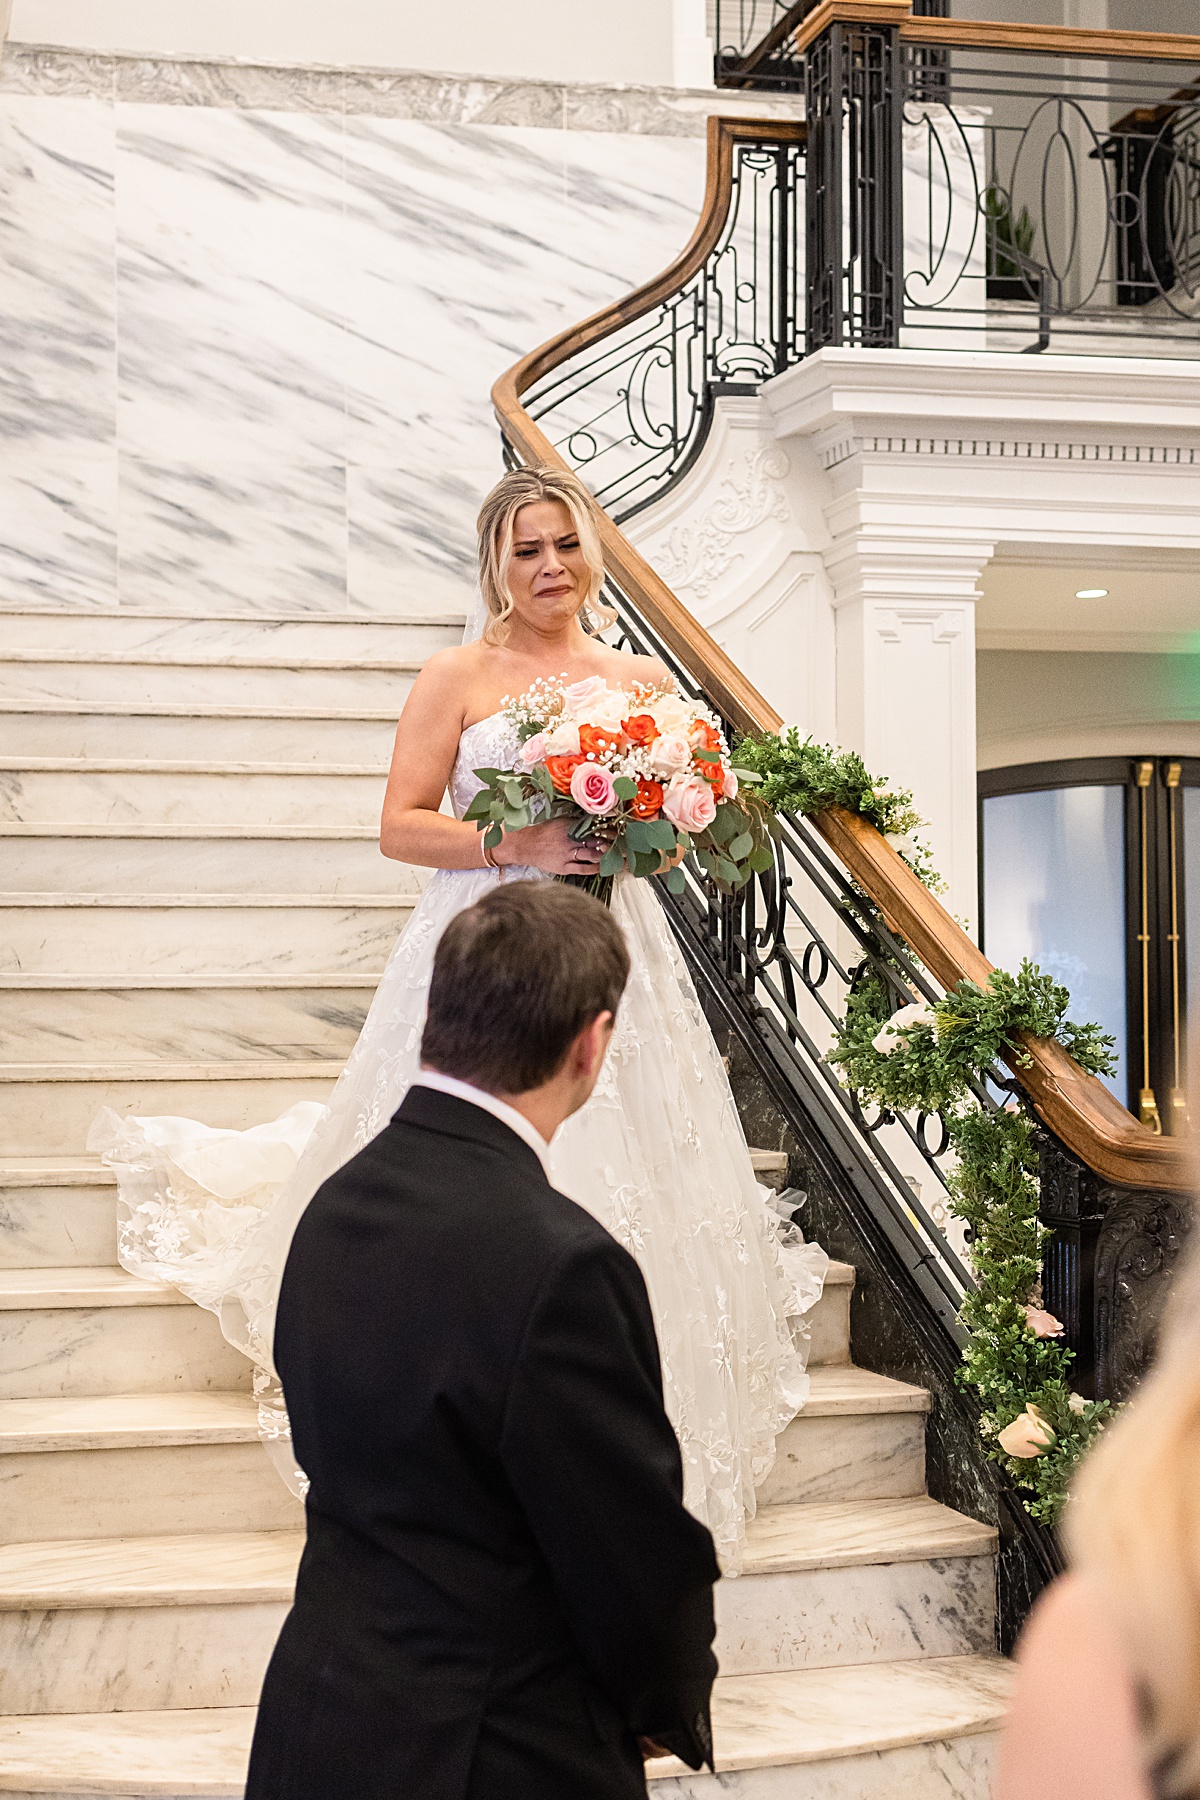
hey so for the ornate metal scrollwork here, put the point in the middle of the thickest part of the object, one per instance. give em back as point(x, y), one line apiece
point(1140, 1241)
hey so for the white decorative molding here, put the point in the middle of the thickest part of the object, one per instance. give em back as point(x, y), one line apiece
point(229, 84)
point(841, 449)
point(693, 557)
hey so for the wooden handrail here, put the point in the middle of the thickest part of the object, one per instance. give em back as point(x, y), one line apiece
point(997, 34)
point(1078, 1107)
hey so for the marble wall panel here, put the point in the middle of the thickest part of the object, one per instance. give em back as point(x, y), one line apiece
point(248, 352)
point(57, 351)
point(470, 246)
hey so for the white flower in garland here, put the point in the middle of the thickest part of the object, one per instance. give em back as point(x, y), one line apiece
point(917, 1012)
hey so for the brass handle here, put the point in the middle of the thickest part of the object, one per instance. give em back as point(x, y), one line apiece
point(1178, 1116)
point(1148, 1111)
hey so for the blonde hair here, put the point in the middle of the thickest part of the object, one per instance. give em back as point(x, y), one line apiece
point(497, 517)
point(1133, 1531)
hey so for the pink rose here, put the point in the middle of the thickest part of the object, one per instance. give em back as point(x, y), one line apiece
point(1028, 1435)
point(670, 754)
point(730, 788)
point(593, 788)
point(689, 803)
point(532, 751)
point(1042, 1324)
point(585, 693)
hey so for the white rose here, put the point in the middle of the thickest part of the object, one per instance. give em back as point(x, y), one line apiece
point(671, 714)
point(582, 693)
point(607, 712)
point(563, 740)
point(916, 1012)
point(670, 754)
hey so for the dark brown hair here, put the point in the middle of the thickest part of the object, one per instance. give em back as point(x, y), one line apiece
point(516, 978)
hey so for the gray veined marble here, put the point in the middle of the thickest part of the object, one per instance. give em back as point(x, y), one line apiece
point(248, 352)
point(58, 458)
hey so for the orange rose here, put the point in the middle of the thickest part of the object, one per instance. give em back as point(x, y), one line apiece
point(641, 729)
point(704, 736)
point(561, 769)
point(712, 773)
point(648, 800)
point(600, 743)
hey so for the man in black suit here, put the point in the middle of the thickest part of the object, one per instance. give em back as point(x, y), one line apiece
point(501, 1596)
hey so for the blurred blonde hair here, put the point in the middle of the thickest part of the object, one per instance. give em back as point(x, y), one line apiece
point(1133, 1531)
point(497, 517)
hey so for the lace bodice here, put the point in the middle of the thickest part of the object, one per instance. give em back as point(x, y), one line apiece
point(490, 743)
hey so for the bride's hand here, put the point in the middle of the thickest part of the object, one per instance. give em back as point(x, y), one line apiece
point(550, 848)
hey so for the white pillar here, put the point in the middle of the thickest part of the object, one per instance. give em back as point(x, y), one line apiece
point(906, 684)
point(693, 58)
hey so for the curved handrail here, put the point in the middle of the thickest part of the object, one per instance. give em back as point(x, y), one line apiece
point(1077, 1107)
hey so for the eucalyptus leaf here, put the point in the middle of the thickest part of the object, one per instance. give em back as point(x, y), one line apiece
point(741, 846)
point(625, 787)
point(676, 880)
point(612, 862)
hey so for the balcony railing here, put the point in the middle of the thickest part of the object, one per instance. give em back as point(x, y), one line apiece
point(990, 186)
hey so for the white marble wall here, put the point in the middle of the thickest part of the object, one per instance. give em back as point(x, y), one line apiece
point(245, 351)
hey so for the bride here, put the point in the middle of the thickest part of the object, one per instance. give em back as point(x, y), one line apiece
point(657, 1155)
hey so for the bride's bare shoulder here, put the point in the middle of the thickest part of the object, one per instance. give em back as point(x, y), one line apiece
point(447, 671)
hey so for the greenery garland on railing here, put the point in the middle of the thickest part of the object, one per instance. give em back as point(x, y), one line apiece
point(932, 1058)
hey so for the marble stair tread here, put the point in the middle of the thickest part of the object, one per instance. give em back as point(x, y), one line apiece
point(264, 1069)
point(842, 1534)
point(28, 1290)
point(54, 1172)
point(801, 1716)
point(841, 1390)
point(167, 828)
point(208, 1569)
point(759, 1721)
point(343, 902)
point(186, 658)
point(126, 1422)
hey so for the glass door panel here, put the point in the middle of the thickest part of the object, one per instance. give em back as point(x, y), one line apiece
point(1054, 891)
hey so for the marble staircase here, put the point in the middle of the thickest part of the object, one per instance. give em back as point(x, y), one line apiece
point(193, 908)
point(194, 918)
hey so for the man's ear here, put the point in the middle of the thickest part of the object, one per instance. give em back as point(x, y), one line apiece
point(593, 1042)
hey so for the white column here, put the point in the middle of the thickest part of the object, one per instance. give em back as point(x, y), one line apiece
point(693, 57)
point(906, 684)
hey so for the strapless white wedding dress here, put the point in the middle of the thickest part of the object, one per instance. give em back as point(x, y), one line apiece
point(657, 1155)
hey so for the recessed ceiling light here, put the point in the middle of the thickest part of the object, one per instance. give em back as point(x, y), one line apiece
point(1090, 593)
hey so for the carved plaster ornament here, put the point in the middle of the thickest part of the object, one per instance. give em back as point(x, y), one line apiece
point(695, 556)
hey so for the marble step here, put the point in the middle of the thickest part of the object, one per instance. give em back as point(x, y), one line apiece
point(829, 1319)
point(187, 934)
point(57, 1212)
point(213, 734)
point(133, 1623)
point(81, 1331)
point(137, 1622)
point(910, 1731)
point(47, 1108)
point(137, 1465)
point(57, 791)
point(189, 858)
point(123, 630)
point(855, 1582)
point(295, 1017)
point(182, 678)
point(861, 1436)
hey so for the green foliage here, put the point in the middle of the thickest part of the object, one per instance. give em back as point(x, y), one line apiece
point(927, 1063)
point(805, 777)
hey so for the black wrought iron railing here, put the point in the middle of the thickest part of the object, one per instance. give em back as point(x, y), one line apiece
point(630, 412)
point(753, 41)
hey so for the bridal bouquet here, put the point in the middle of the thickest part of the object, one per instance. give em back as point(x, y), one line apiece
point(643, 769)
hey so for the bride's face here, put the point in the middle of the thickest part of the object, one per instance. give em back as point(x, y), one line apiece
point(547, 574)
